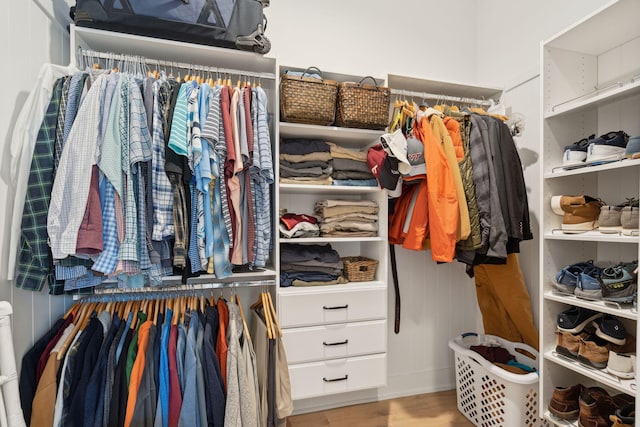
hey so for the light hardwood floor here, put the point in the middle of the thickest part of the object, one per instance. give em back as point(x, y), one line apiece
point(431, 410)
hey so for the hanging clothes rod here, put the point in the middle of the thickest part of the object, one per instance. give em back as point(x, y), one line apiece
point(156, 292)
point(424, 95)
point(89, 54)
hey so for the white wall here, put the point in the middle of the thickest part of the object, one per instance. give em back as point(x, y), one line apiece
point(30, 38)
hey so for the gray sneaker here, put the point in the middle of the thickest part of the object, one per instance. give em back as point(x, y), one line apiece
point(629, 218)
point(609, 219)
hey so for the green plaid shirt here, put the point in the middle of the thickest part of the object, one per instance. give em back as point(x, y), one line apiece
point(34, 258)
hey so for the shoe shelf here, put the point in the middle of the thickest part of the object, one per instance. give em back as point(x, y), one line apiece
point(559, 172)
point(553, 420)
point(326, 189)
point(616, 92)
point(592, 236)
point(600, 306)
point(603, 377)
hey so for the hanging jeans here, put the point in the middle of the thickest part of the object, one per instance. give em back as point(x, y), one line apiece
point(504, 302)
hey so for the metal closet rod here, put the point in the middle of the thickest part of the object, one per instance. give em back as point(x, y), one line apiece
point(160, 292)
point(88, 53)
point(441, 97)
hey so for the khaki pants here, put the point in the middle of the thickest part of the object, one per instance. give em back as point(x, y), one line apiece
point(504, 302)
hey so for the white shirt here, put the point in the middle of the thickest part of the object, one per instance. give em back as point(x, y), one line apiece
point(23, 141)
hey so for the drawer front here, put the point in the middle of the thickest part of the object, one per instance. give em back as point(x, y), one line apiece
point(337, 376)
point(335, 341)
point(341, 306)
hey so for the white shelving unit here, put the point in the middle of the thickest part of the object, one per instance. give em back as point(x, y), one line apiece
point(335, 335)
point(590, 85)
point(217, 58)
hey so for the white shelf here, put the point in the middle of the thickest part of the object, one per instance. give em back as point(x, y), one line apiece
point(330, 133)
point(287, 290)
point(598, 100)
point(415, 84)
point(624, 386)
point(332, 239)
point(169, 50)
point(592, 236)
point(625, 163)
point(309, 189)
point(558, 422)
point(626, 312)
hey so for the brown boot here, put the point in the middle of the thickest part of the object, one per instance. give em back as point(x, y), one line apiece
point(564, 402)
point(568, 344)
point(580, 213)
point(595, 408)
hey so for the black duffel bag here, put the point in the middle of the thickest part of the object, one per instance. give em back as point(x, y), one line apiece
point(238, 24)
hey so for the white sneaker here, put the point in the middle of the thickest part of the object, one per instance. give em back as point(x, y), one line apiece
point(601, 153)
point(621, 365)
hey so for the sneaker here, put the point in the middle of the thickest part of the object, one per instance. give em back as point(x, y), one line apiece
point(633, 148)
point(609, 147)
point(588, 286)
point(575, 319)
point(624, 416)
point(595, 407)
point(566, 279)
point(621, 365)
point(610, 328)
point(564, 402)
point(594, 352)
point(619, 283)
point(576, 153)
point(568, 344)
point(629, 218)
point(580, 213)
point(609, 219)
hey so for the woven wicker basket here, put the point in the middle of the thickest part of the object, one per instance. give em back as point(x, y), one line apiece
point(363, 106)
point(359, 268)
point(308, 100)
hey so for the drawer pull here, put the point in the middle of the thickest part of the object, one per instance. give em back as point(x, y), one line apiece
point(332, 380)
point(329, 344)
point(336, 307)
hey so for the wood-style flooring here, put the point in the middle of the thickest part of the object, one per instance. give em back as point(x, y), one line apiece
point(430, 410)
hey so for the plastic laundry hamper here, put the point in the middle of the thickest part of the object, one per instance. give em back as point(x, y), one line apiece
point(489, 395)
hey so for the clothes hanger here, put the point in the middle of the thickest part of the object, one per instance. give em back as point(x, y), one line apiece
point(79, 326)
point(277, 331)
point(244, 319)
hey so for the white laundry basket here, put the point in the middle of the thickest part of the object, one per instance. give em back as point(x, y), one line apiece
point(490, 396)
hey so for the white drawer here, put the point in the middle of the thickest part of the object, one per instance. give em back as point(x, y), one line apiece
point(340, 304)
point(335, 341)
point(337, 376)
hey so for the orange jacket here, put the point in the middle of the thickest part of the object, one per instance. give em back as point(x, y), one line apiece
point(436, 209)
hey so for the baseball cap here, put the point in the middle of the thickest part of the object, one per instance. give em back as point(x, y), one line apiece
point(395, 145)
point(383, 167)
point(415, 155)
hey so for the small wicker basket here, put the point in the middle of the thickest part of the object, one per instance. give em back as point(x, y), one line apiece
point(363, 106)
point(308, 100)
point(359, 268)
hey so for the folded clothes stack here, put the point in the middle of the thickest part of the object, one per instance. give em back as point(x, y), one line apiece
point(298, 225)
point(350, 167)
point(310, 265)
point(305, 161)
point(347, 218)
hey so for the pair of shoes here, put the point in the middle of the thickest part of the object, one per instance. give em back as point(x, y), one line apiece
point(633, 148)
point(594, 351)
point(621, 218)
point(567, 278)
point(618, 283)
point(624, 416)
point(597, 406)
point(579, 213)
point(609, 147)
point(564, 402)
point(576, 153)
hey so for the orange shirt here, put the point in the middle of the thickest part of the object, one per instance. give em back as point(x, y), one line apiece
point(137, 370)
